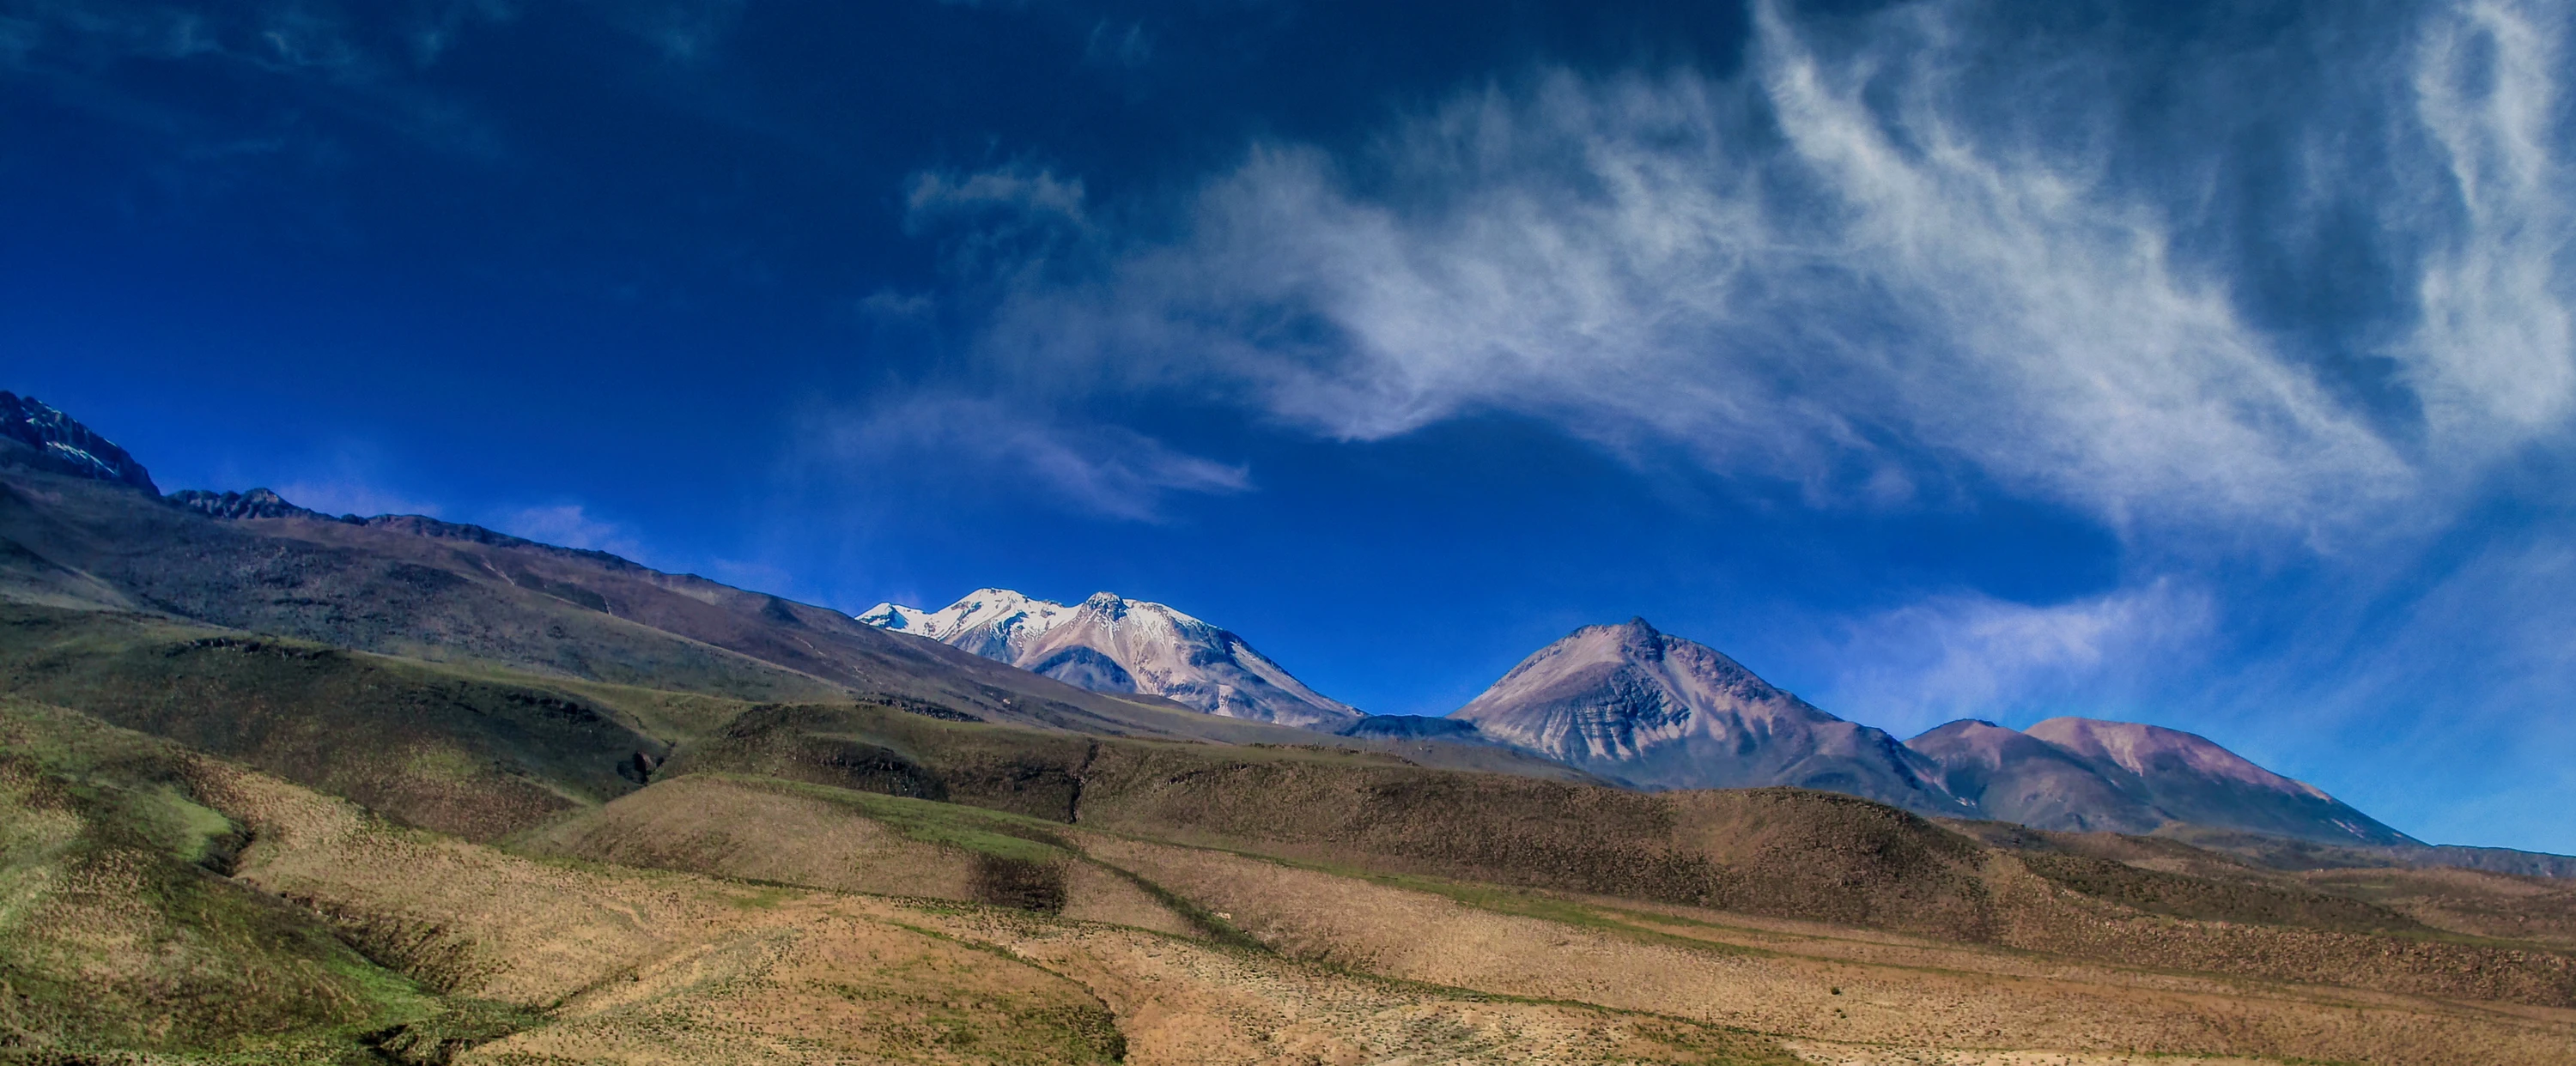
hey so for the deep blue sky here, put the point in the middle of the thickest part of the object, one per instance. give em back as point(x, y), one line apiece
point(2208, 365)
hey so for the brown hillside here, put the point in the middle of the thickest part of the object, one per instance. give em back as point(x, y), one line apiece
point(448, 593)
point(1774, 851)
point(768, 830)
point(2539, 910)
point(1783, 852)
point(623, 965)
point(436, 748)
point(637, 967)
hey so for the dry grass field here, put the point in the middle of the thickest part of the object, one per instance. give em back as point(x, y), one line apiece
point(1839, 990)
point(1200, 905)
point(647, 966)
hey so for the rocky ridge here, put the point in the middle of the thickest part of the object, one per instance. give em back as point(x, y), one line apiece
point(62, 444)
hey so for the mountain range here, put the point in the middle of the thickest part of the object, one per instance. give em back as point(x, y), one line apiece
point(1623, 704)
point(282, 786)
point(1630, 704)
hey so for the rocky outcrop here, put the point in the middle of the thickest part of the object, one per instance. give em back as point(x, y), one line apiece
point(257, 503)
point(47, 439)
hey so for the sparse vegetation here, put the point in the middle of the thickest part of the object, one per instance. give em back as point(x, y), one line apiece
point(901, 864)
point(115, 935)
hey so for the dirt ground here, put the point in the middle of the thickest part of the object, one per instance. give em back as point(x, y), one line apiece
point(1846, 1055)
point(1917, 994)
point(713, 825)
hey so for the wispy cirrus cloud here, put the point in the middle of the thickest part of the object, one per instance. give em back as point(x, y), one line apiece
point(2288, 295)
point(1876, 261)
point(571, 525)
point(347, 494)
point(2490, 353)
point(1965, 654)
point(932, 444)
point(330, 58)
point(1016, 190)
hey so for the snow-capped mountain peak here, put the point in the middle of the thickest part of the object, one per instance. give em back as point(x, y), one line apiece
point(1109, 643)
point(896, 617)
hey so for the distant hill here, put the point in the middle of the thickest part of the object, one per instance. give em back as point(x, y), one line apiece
point(2019, 778)
point(504, 679)
point(100, 538)
point(1636, 705)
point(1109, 643)
point(2084, 774)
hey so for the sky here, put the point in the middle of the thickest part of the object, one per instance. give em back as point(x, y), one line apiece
point(2203, 364)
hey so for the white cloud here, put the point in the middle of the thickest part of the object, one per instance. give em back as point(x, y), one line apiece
point(1968, 655)
point(1870, 268)
point(1117, 46)
point(891, 305)
point(350, 495)
point(953, 444)
point(2495, 347)
point(569, 525)
point(1016, 189)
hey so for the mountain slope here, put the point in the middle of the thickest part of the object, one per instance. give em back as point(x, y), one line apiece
point(2089, 775)
point(2199, 782)
point(463, 596)
point(1628, 702)
point(49, 439)
point(2014, 777)
point(1112, 644)
point(442, 591)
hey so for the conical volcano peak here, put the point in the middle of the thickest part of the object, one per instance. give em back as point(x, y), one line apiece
point(1632, 703)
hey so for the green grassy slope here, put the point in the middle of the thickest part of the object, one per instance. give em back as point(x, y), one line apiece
point(468, 752)
point(118, 935)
